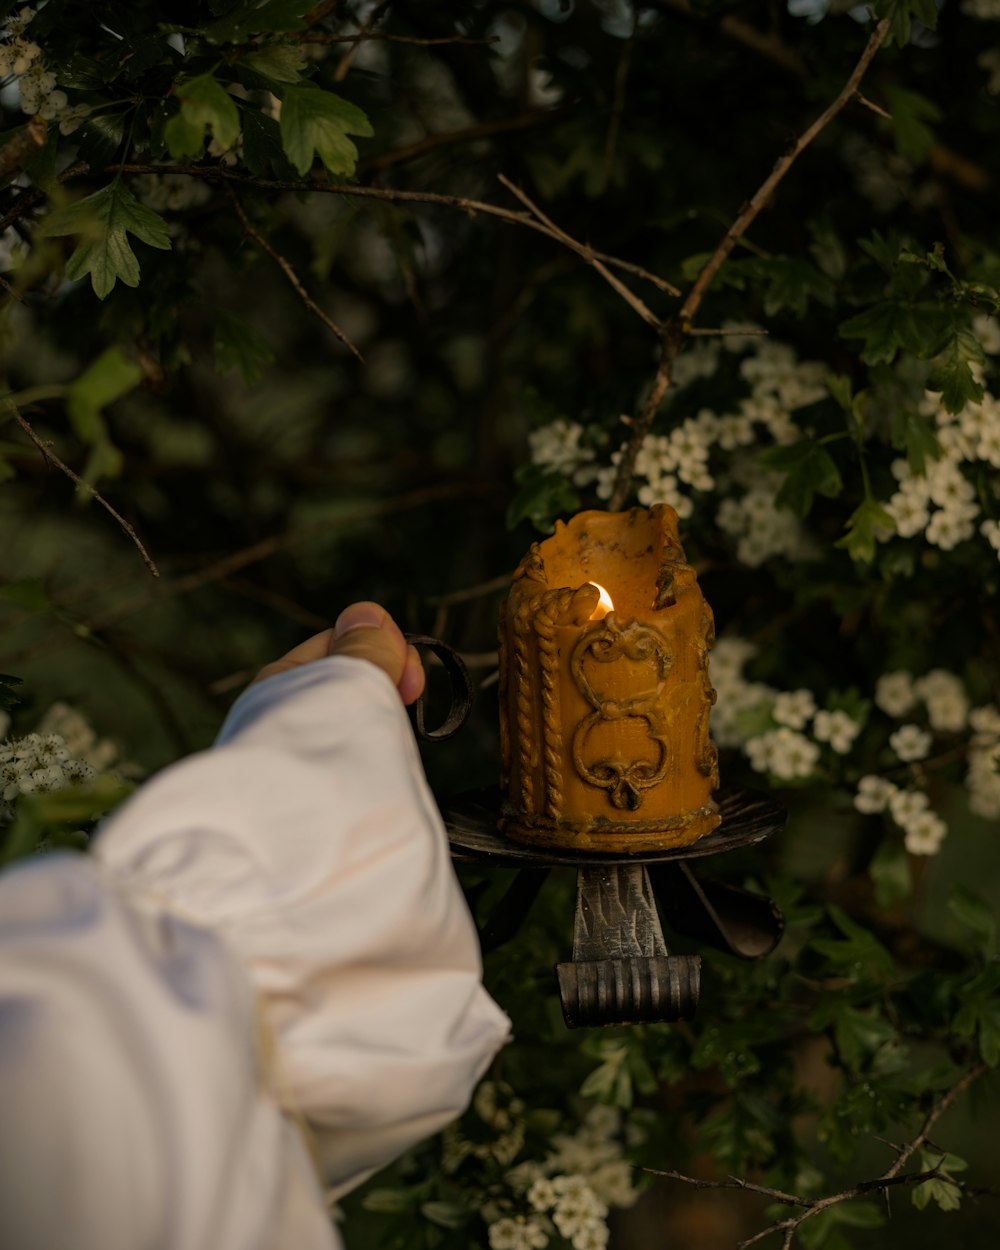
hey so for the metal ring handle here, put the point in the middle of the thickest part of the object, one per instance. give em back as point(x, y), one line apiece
point(461, 691)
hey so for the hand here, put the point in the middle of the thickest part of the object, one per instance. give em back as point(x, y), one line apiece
point(366, 631)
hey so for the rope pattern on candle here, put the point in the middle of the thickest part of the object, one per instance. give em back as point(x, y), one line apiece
point(548, 608)
point(504, 695)
point(524, 725)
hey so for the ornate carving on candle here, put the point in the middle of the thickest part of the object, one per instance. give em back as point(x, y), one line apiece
point(604, 711)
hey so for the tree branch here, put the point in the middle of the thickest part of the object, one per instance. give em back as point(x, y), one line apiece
point(468, 134)
point(365, 37)
point(764, 192)
point(675, 332)
point(581, 249)
point(891, 1177)
point(218, 173)
point(291, 275)
point(46, 450)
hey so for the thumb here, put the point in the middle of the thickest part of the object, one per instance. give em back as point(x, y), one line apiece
point(366, 631)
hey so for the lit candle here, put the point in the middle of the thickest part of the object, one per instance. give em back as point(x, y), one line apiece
point(605, 695)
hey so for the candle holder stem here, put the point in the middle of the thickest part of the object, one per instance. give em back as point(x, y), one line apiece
point(621, 972)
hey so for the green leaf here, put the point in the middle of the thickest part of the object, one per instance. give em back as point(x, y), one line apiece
point(859, 541)
point(977, 915)
point(952, 373)
point(900, 13)
point(885, 327)
point(262, 150)
point(858, 953)
point(389, 1201)
point(913, 433)
point(237, 345)
point(890, 874)
point(809, 470)
point(103, 221)
point(205, 104)
point(258, 16)
point(911, 112)
point(790, 284)
point(445, 1214)
point(57, 817)
point(318, 122)
point(106, 379)
point(857, 1034)
point(979, 1013)
point(9, 698)
point(542, 496)
point(827, 250)
point(942, 1189)
point(281, 62)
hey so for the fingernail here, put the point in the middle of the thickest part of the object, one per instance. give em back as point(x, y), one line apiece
point(359, 616)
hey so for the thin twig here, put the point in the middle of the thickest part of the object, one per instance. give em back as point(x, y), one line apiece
point(363, 34)
point(221, 569)
point(468, 134)
point(764, 192)
point(581, 249)
point(472, 592)
point(674, 333)
point(218, 173)
point(935, 1113)
point(291, 275)
point(618, 106)
point(733, 331)
point(870, 104)
point(363, 37)
point(892, 1176)
point(46, 450)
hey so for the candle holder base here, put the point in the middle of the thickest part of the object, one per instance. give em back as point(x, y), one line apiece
point(636, 990)
point(621, 971)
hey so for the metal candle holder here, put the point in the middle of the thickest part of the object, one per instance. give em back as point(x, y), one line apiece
point(621, 971)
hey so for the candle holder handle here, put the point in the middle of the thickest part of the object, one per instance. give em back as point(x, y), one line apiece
point(621, 972)
point(461, 691)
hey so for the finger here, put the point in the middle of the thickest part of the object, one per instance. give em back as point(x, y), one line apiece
point(314, 648)
point(411, 683)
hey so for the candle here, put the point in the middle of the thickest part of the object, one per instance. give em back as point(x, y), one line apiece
point(604, 689)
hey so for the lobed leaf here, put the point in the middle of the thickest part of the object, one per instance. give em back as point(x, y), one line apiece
point(316, 123)
point(104, 220)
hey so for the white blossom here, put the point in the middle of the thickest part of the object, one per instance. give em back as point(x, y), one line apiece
point(945, 698)
point(894, 693)
point(910, 742)
point(784, 753)
point(873, 794)
point(837, 728)
point(924, 834)
point(517, 1234)
point(794, 708)
point(907, 805)
point(557, 446)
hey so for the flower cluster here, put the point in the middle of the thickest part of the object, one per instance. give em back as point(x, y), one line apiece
point(770, 725)
point(941, 502)
point(567, 1195)
point(37, 764)
point(20, 58)
point(783, 733)
point(63, 751)
point(673, 468)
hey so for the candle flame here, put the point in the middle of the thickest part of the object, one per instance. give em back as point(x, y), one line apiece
point(604, 604)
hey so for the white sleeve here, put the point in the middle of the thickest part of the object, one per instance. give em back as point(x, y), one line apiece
point(131, 1108)
point(308, 838)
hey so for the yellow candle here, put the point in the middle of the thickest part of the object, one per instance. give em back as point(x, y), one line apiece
point(605, 698)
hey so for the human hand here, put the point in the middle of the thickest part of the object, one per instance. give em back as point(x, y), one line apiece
point(366, 631)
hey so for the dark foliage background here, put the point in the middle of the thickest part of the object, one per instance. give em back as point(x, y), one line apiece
point(274, 475)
